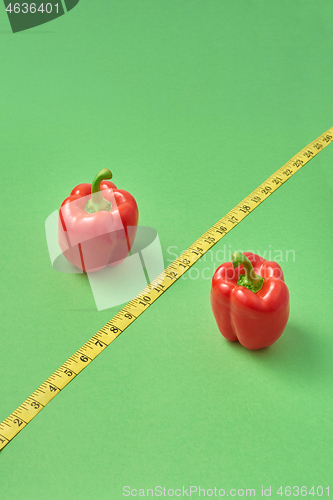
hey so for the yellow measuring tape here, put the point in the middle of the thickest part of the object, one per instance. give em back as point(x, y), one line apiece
point(91, 349)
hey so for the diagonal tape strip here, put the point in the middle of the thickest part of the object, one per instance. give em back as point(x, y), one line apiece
point(13, 424)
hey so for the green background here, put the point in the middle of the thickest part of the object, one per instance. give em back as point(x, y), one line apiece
point(192, 105)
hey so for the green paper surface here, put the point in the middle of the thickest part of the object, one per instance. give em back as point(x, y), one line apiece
point(191, 105)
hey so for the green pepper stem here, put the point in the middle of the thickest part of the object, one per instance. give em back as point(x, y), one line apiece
point(250, 280)
point(97, 202)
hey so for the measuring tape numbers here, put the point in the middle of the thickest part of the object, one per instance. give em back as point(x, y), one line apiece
point(13, 424)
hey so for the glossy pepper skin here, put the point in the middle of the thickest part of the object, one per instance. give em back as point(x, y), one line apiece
point(258, 319)
point(97, 224)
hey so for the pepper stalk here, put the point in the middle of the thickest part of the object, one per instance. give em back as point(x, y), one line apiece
point(250, 279)
point(97, 202)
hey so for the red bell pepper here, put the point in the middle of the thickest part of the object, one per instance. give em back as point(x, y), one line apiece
point(97, 224)
point(250, 300)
